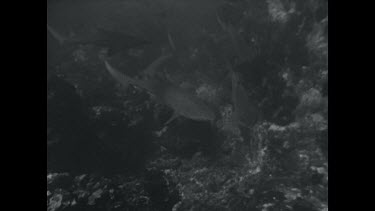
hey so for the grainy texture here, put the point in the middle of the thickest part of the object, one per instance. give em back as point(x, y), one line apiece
point(260, 65)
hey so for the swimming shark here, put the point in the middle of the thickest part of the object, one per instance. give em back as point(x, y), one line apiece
point(183, 102)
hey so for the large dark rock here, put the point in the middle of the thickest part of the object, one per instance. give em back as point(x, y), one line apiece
point(71, 144)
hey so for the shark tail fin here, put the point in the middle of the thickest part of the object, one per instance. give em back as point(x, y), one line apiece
point(59, 37)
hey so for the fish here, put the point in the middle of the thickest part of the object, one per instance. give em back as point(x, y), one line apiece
point(114, 41)
point(183, 102)
point(244, 112)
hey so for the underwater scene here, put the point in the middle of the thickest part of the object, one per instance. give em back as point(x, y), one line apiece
point(187, 105)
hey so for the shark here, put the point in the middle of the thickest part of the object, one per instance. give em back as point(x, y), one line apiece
point(183, 102)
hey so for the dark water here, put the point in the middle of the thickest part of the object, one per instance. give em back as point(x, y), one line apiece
point(99, 128)
point(149, 19)
point(187, 22)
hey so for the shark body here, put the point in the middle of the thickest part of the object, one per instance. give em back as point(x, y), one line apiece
point(183, 102)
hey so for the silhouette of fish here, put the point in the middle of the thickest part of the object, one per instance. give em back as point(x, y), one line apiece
point(113, 40)
point(244, 112)
point(183, 102)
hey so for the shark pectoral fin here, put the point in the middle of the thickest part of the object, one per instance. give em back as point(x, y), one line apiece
point(173, 117)
point(125, 81)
